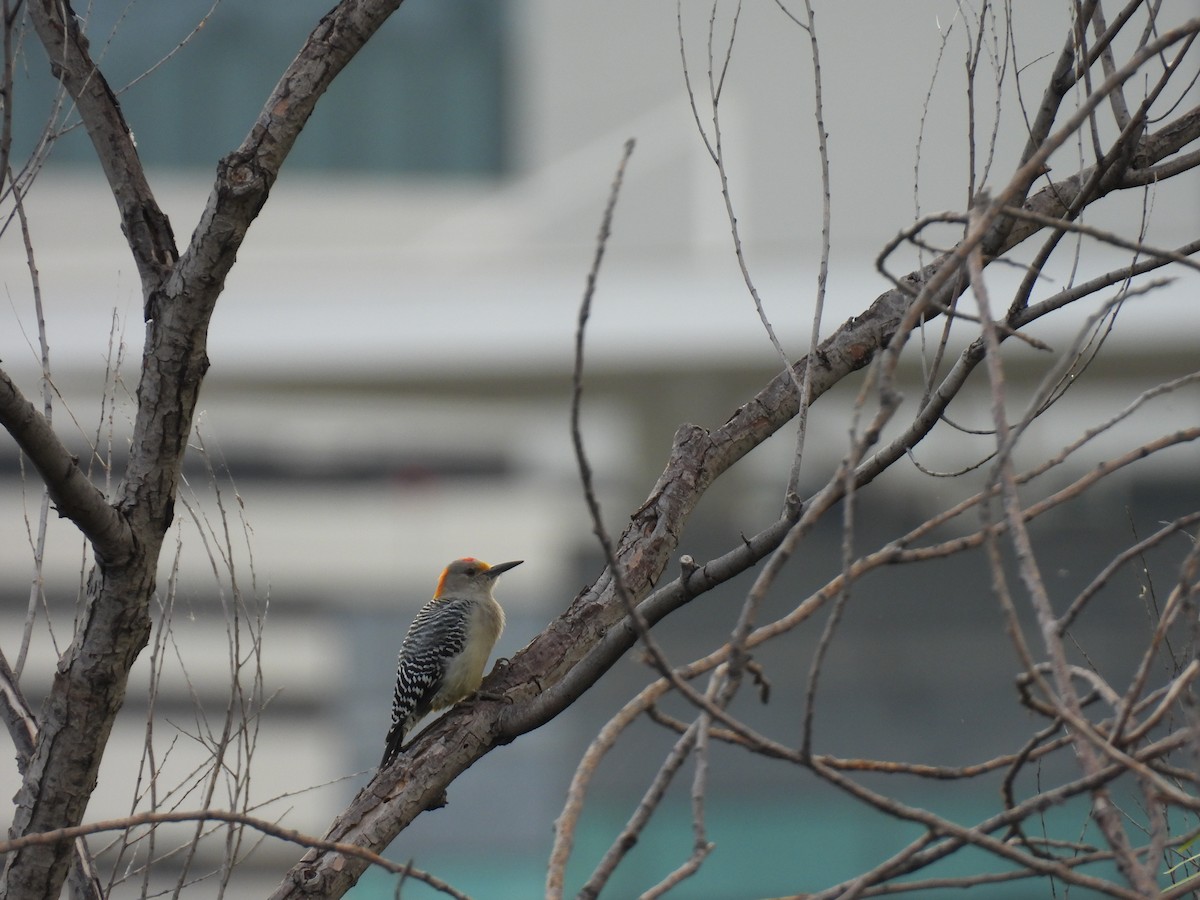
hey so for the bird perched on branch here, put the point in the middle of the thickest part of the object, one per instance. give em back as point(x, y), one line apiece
point(442, 658)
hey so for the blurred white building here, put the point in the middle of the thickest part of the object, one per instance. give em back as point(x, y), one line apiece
point(391, 362)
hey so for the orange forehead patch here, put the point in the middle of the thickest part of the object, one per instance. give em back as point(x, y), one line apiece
point(441, 584)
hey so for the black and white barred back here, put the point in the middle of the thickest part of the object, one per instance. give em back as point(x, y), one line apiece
point(425, 676)
point(447, 646)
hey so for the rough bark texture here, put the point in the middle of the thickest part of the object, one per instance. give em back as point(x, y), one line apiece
point(180, 292)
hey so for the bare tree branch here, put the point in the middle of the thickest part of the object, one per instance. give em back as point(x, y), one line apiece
point(145, 225)
point(73, 494)
point(180, 297)
point(266, 826)
point(1108, 726)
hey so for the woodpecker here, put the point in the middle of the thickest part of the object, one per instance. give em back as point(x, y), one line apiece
point(446, 647)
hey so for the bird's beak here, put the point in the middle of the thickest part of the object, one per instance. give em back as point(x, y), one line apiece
point(501, 568)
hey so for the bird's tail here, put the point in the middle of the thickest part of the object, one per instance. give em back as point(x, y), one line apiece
point(395, 737)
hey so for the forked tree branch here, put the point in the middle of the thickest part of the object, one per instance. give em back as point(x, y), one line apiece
point(179, 296)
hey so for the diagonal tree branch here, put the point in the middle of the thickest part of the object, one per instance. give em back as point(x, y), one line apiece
point(74, 495)
point(545, 677)
point(145, 225)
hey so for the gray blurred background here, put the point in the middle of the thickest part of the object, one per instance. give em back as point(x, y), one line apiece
point(390, 389)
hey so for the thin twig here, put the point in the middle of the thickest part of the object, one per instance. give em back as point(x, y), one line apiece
point(220, 815)
point(640, 817)
point(568, 820)
point(701, 845)
point(1103, 809)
